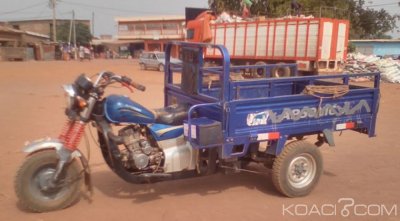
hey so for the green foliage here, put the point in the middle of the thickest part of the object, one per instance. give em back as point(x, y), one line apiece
point(366, 23)
point(351, 47)
point(83, 35)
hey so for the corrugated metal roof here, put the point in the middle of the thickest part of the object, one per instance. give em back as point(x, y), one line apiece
point(152, 18)
point(13, 30)
point(8, 29)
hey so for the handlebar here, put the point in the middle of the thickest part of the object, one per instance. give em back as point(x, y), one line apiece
point(123, 79)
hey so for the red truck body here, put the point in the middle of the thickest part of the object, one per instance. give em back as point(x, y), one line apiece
point(315, 44)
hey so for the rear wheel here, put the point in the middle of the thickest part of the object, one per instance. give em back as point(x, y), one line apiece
point(260, 72)
point(35, 190)
point(142, 66)
point(207, 161)
point(296, 171)
point(280, 71)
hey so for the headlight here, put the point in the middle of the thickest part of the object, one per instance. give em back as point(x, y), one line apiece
point(70, 95)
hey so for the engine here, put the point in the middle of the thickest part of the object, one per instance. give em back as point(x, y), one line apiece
point(139, 154)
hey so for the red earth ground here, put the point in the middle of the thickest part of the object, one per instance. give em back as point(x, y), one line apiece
point(31, 107)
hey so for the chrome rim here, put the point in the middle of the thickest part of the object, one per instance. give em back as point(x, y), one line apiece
point(302, 170)
point(41, 186)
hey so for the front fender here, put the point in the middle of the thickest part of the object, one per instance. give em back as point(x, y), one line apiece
point(48, 144)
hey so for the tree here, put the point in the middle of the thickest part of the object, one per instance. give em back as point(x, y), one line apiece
point(83, 35)
point(364, 22)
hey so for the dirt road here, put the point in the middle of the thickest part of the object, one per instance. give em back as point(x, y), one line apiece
point(364, 170)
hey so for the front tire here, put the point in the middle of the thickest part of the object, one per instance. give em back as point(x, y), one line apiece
point(296, 171)
point(31, 183)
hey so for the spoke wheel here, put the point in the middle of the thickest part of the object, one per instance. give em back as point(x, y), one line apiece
point(35, 189)
point(296, 171)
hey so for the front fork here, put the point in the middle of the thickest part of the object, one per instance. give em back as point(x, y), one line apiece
point(70, 137)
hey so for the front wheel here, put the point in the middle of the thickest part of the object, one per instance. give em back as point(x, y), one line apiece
point(296, 171)
point(35, 190)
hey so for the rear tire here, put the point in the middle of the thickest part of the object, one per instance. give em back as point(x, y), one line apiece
point(260, 72)
point(142, 66)
point(296, 171)
point(207, 161)
point(31, 183)
point(280, 71)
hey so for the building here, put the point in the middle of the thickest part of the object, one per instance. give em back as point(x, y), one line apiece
point(151, 33)
point(24, 45)
point(43, 26)
point(379, 47)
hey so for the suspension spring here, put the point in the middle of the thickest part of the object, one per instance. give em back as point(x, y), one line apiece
point(72, 133)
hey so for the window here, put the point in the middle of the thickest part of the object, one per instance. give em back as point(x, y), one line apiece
point(123, 27)
point(170, 26)
point(153, 26)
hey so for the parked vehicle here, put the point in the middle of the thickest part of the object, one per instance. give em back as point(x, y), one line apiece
point(317, 45)
point(154, 60)
point(209, 120)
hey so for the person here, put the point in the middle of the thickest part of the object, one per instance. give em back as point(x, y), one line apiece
point(81, 53)
point(296, 7)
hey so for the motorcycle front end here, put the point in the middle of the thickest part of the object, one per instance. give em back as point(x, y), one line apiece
point(51, 176)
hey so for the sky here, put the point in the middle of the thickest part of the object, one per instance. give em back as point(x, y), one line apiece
point(105, 11)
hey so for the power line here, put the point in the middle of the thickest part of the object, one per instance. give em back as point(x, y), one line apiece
point(22, 9)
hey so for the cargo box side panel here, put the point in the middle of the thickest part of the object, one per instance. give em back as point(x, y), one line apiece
point(341, 46)
point(279, 40)
point(219, 38)
point(239, 41)
point(262, 40)
point(229, 37)
point(250, 39)
point(326, 40)
point(210, 52)
point(298, 114)
point(271, 38)
point(291, 39)
point(312, 46)
point(302, 39)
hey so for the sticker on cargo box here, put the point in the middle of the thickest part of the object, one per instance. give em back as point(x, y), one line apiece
point(263, 117)
point(192, 130)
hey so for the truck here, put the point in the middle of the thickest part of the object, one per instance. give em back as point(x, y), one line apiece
point(233, 122)
point(317, 45)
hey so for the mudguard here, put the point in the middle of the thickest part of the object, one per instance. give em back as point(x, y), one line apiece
point(56, 144)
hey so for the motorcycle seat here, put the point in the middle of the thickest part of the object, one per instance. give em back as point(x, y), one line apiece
point(172, 115)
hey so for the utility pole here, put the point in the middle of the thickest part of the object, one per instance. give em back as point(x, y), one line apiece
point(73, 21)
point(93, 24)
point(70, 31)
point(53, 6)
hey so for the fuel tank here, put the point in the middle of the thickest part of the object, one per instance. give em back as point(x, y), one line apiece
point(121, 109)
